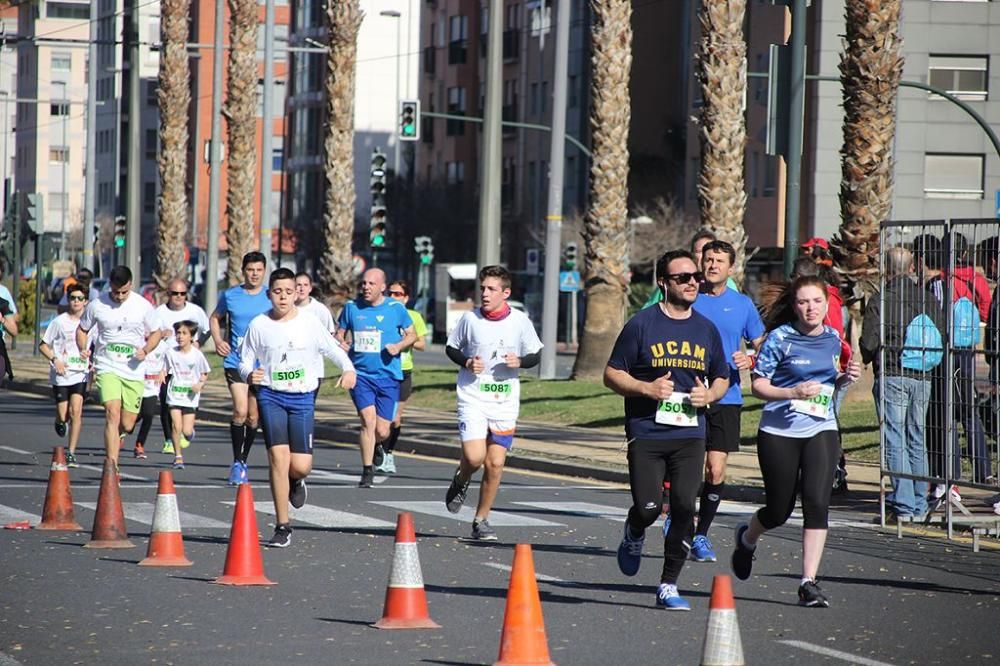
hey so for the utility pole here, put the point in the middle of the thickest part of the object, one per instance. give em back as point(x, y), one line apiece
point(796, 111)
point(267, 132)
point(91, 159)
point(553, 218)
point(215, 169)
point(134, 176)
point(65, 164)
point(489, 194)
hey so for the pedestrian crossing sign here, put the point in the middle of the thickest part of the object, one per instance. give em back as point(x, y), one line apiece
point(569, 281)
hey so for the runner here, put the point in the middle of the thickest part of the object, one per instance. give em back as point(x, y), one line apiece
point(306, 303)
point(737, 320)
point(177, 308)
point(69, 370)
point(127, 330)
point(380, 330)
point(153, 380)
point(669, 364)
point(797, 373)
point(239, 305)
point(279, 357)
point(384, 460)
point(188, 371)
point(490, 343)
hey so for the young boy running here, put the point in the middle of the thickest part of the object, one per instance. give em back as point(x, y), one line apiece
point(153, 379)
point(188, 369)
point(279, 357)
point(490, 343)
point(68, 372)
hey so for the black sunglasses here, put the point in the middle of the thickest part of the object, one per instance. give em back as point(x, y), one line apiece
point(178, 293)
point(77, 298)
point(397, 293)
point(684, 278)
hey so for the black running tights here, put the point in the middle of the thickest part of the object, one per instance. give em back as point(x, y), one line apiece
point(793, 464)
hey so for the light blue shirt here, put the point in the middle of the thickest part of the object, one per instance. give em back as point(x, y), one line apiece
point(737, 319)
point(6, 295)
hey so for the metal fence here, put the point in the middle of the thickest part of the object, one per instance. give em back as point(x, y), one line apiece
point(950, 454)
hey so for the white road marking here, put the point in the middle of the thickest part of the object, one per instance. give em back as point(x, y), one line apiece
point(497, 518)
point(321, 517)
point(538, 576)
point(99, 470)
point(836, 654)
point(342, 478)
point(142, 512)
point(19, 451)
point(9, 514)
point(615, 513)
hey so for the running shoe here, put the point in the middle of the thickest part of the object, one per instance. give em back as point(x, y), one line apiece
point(668, 597)
point(185, 442)
point(483, 531)
point(297, 493)
point(810, 595)
point(244, 474)
point(168, 447)
point(388, 465)
point(455, 497)
point(666, 526)
point(630, 552)
point(743, 557)
point(178, 462)
point(282, 536)
point(367, 479)
point(71, 460)
point(60, 428)
point(701, 549)
point(139, 451)
point(234, 473)
point(379, 456)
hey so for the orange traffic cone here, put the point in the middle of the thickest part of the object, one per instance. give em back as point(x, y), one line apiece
point(405, 600)
point(244, 565)
point(166, 546)
point(723, 646)
point(109, 521)
point(58, 511)
point(523, 639)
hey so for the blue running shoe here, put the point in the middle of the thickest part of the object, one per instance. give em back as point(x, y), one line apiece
point(630, 553)
point(701, 549)
point(244, 474)
point(234, 473)
point(666, 526)
point(668, 597)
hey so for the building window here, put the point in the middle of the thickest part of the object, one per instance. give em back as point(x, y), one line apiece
point(149, 197)
point(59, 109)
point(62, 62)
point(543, 100)
point(953, 176)
point(277, 159)
point(67, 10)
point(151, 140)
point(533, 101)
point(456, 173)
point(965, 77)
point(58, 154)
point(458, 39)
point(574, 96)
point(456, 106)
point(152, 98)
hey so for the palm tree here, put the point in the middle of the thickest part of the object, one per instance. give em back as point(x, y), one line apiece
point(605, 230)
point(870, 69)
point(174, 96)
point(240, 111)
point(336, 272)
point(722, 71)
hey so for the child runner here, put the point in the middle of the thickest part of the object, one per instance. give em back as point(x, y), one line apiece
point(68, 372)
point(797, 373)
point(153, 379)
point(278, 357)
point(188, 369)
point(490, 343)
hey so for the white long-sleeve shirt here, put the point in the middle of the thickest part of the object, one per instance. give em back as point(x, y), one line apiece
point(289, 352)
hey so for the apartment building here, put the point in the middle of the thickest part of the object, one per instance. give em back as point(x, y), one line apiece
point(8, 109)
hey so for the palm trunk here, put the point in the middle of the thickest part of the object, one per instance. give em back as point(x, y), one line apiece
point(241, 116)
point(722, 70)
point(605, 230)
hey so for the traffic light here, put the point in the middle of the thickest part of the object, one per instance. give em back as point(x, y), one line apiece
point(120, 231)
point(570, 255)
point(378, 220)
point(424, 247)
point(33, 212)
point(409, 120)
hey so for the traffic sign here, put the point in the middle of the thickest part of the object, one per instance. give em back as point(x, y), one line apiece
point(569, 281)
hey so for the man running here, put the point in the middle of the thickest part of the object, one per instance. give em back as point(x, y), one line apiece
point(279, 357)
point(306, 303)
point(489, 343)
point(240, 304)
point(380, 330)
point(669, 365)
point(127, 330)
point(737, 320)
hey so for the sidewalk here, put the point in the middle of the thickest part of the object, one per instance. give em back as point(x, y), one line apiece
point(565, 450)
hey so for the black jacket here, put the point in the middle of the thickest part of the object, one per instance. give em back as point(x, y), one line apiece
point(904, 300)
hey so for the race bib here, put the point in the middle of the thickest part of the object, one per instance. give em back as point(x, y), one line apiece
point(818, 406)
point(368, 342)
point(76, 364)
point(499, 391)
point(289, 379)
point(180, 389)
point(677, 410)
point(119, 352)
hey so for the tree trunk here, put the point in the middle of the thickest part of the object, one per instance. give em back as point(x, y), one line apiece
point(605, 231)
point(174, 97)
point(336, 271)
point(722, 71)
point(241, 115)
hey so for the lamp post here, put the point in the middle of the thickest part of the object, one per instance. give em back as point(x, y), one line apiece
point(391, 13)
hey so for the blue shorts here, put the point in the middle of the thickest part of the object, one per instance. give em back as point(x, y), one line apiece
point(383, 392)
point(286, 419)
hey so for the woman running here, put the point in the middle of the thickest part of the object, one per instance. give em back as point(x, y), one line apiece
point(797, 374)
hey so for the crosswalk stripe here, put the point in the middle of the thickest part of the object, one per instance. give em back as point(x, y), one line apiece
point(322, 517)
point(351, 479)
point(615, 513)
point(99, 470)
point(9, 514)
point(142, 512)
point(497, 518)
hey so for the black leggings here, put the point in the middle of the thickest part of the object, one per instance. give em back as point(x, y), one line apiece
point(165, 421)
point(791, 464)
point(147, 413)
point(683, 461)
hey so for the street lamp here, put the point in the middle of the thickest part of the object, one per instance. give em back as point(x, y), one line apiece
point(392, 13)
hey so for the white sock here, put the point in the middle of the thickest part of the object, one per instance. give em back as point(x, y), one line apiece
point(743, 540)
point(668, 590)
point(805, 579)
